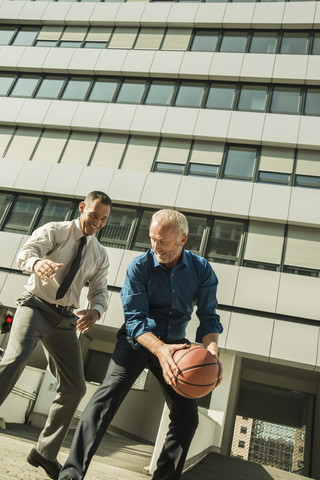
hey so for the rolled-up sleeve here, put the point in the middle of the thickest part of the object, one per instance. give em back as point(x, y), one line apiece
point(98, 287)
point(207, 305)
point(35, 248)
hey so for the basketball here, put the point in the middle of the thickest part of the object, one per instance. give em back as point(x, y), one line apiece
point(198, 372)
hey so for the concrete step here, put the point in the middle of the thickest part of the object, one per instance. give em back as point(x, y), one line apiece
point(221, 467)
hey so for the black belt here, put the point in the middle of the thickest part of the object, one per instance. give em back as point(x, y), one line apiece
point(60, 308)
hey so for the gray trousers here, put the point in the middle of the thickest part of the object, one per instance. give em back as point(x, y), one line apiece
point(34, 321)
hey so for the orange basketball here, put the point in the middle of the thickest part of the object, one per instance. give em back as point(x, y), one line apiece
point(198, 372)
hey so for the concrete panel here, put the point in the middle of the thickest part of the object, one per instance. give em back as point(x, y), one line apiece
point(294, 344)
point(179, 121)
point(155, 13)
point(126, 259)
point(9, 109)
point(114, 315)
point(281, 129)
point(33, 176)
point(32, 58)
point(56, 13)
point(246, 127)
point(317, 17)
point(249, 335)
point(226, 66)
point(210, 15)
point(130, 13)
point(308, 132)
point(270, 202)
point(298, 14)
point(312, 73)
point(138, 61)
point(33, 112)
point(290, 68)
point(148, 119)
point(126, 186)
point(297, 296)
point(79, 14)
point(63, 180)
point(268, 15)
point(212, 124)
point(257, 67)
point(115, 258)
point(160, 190)
point(60, 113)
point(166, 64)
point(304, 207)
point(225, 320)
point(3, 276)
point(31, 12)
point(195, 194)
point(10, 10)
point(58, 59)
point(88, 115)
point(9, 172)
point(12, 288)
point(232, 198)
point(9, 247)
point(84, 60)
point(251, 289)
point(110, 61)
point(93, 178)
point(237, 16)
point(10, 55)
point(182, 17)
point(118, 117)
point(227, 277)
point(196, 65)
point(104, 13)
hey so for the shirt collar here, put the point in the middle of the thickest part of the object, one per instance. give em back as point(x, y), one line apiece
point(184, 260)
point(79, 232)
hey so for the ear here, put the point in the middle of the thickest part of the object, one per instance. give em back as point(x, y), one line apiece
point(82, 206)
point(184, 238)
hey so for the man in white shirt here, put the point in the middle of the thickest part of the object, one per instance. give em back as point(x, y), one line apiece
point(61, 258)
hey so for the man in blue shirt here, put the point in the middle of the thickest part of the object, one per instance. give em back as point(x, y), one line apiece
point(160, 291)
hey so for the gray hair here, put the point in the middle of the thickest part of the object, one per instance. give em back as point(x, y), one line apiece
point(178, 220)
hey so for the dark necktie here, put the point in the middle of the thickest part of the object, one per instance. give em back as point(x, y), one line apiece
point(74, 267)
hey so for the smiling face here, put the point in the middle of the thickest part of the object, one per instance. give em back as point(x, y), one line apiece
point(94, 216)
point(167, 242)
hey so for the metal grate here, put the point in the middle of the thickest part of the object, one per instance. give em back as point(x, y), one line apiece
point(273, 427)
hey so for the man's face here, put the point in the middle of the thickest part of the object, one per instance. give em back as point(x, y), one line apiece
point(167, 243)
point(94, 216)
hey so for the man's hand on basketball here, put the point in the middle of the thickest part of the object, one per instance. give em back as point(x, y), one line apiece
point(165, 356)
point(46, 269)
point(87, 319)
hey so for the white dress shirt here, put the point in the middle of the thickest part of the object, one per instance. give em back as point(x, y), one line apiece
point(58, 241)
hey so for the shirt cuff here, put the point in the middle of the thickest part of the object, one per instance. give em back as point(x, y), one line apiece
point(30, 264)
point(99, 308)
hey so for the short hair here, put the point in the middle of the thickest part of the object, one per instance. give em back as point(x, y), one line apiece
point(178, 220)
point(97, 195)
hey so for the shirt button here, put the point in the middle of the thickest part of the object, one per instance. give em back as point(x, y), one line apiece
point(172, 274)
point(173, 306)
point(173, 291)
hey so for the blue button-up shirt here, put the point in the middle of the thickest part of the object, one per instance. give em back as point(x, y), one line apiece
point(158, 300)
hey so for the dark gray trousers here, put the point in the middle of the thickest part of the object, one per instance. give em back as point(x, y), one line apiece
point(34, 321)
point(125, 366)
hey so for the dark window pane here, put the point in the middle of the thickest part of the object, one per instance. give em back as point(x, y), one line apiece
point(196, 229)
point(263, 42)
point(55, 211)
point(67, 44)
point(131, 92)
point(307, 181)
point(22, 214)
point(164, 167)
point(76, 89)
point(312, 102)
point(50, 87)
point(5, 199)
point(26, 36)
point(316, 44)
point(142, 240)
point(204, 41)
point(274, 177)
point(240, 162)
point(5, 84)
point(103, 90)
point(294, 43)
point(24, 87)
point(221, 96)
point(160, 93)
point(203, 170)
point(225, 240)
point(253, 98)
point(45, 43)
point(285, 100)
point(233, 42)
point(189, 95)
point(116, 232)
point(95, 44)
point(6, 34)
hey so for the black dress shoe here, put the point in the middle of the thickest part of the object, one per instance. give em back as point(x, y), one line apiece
point(52, 469)
point(67, 478)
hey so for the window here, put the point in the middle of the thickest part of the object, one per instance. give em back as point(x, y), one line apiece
point(177, 39)
point(123, 37)
point(264, 243)
point(98, 37)
point(24, 87)
point(5, 200)
point(6, 34)
point(273, 177)
point(202, 170)
point(109, 150)
point(205, 159)
point(5, 137)
point(25, 36)
point(69, 44)
point(5, 84)
point(285, 100)
point(276, 165)
point(253, 98)
point(73, 36)
point(316, 44)
point(79, 148)
point(204, 41)
point(50, 146)
point(221, 96)
point(22, 214)
point(197, 226)
point(103, 90)
point(174, 168)
point(302, 247)
point(159, 93)
point(131, 92)
point(118, 227)
point(189, 95)
point(55, 211)
point(140, 153)
point(294, 43)
point(225, 240)
point(50, 87)
point(49, 33)
point(240, 162)
point(142, 239)
point(233, 42)
point(312, 106)
point(76, 88)
point(172, 155)
point(263, 42)
point(149, 38)
point(307, 181)
point(23, 143)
